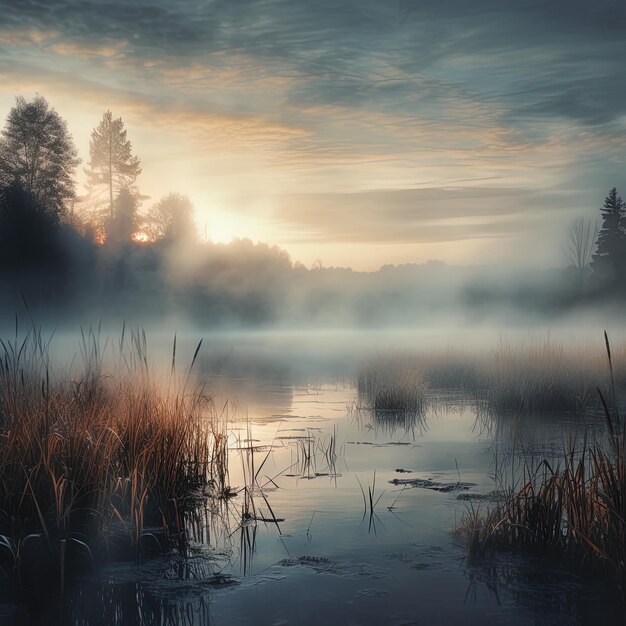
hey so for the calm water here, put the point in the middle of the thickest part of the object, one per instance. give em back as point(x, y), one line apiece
point(309, 551)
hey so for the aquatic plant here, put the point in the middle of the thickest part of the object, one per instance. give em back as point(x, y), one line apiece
point(540, 377)
point(370, 501)
point(100, 461)
point(575, 511)
point(528, 376)
point(392, 384)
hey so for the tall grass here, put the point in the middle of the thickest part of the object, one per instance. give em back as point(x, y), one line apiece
point(99, 461)
point(541, 377)
point(528, 376)
point(393, 384)
point(575, 511)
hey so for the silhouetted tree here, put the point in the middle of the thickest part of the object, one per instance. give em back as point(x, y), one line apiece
point(37, 150)
point(608, 261)
point(112, 166)
point(172, 219)
point(123, 224)
point(28, 231)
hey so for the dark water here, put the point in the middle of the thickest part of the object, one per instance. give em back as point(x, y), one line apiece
point(310, 550)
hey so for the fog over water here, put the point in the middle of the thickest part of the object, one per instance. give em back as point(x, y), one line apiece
point(312, 313)
point(312, 552)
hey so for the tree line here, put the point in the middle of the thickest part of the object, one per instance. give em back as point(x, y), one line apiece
point(600, 253)
point(38, 199)
point(83, 253)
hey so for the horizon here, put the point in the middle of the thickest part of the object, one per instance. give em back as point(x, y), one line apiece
point(359, 135)
point(312, 312)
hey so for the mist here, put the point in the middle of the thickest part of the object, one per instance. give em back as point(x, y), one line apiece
point(312, 313)
point(111, 253)
point(243, 285)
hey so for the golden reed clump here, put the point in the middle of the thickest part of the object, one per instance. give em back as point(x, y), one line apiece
point(101, 461)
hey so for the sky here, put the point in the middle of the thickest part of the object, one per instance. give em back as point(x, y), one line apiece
point(356, 132)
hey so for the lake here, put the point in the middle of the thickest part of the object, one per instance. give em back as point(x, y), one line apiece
point(337, 513)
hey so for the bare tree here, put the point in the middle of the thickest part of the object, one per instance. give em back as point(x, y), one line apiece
point(581, 239)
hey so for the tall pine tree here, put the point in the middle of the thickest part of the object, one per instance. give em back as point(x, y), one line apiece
point(608, 261)
point(112, 167)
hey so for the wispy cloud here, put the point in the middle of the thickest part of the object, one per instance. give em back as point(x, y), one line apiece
point(524, 100)
point(416, 216)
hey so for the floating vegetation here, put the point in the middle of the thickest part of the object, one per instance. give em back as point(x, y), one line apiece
point(426, 483)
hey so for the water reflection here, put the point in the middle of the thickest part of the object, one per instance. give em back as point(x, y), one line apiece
point(301, 532)
point(174, 594)
point(548, 593)
point(409, 424)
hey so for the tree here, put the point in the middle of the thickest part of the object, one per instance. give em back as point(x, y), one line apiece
point(112, 166)
point(37, 151)
point(581, 238)
point(28, 232)
point(171, 219)
point(608, 261)
point(122, 226)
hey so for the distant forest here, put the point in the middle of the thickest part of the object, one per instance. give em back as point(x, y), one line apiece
point(110, 253)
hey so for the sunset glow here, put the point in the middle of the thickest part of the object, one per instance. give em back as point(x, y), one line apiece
point(319, 145)
point(141, 237)
point(222, 228)
point(312, 312)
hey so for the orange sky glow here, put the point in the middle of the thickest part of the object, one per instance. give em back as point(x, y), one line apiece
point(360, 155)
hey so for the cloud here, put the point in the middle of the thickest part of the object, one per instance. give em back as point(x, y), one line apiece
point(420, 215)
point(535, 59)
point(106, 50)
point(520, 98)
point(25, 36)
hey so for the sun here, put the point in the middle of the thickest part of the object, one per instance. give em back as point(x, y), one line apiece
point(221, 228)
point(140, 237)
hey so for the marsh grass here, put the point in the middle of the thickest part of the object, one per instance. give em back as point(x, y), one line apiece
point(370, 501)
point(542, 377)
point(315, 455)
point(574, 510)
point(102, 461)
point(525, 376)
point(394, 383)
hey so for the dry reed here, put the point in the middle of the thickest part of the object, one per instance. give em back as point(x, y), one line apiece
point(575, 511)
point(99, 462)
